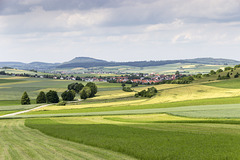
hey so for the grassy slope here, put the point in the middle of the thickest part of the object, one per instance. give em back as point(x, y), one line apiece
point(232, 83)
point(20, 142)
point(147, 141)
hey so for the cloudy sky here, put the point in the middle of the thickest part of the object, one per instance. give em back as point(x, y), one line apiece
point(118, 30)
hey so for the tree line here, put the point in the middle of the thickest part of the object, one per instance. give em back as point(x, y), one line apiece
point(87, 91)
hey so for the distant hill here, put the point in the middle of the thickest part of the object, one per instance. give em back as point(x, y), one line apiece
point(11, 64)
point(91, 62)
point(87, 62)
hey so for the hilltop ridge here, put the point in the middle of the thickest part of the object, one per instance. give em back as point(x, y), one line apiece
point(87, 62)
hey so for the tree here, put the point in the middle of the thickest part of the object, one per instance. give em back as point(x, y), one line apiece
point(219, 70)
point(236, 75)
point(52, 97)
point(228, 75)
point(83, 94)
point(25, 99)
point(68, 95)
point(123, 85)
point(71, 86)
point(227, 68)
point(177, 73)
point(78, 87)
point(93, 88)
point(41, 98)
point(87, 91)
point(212, 72)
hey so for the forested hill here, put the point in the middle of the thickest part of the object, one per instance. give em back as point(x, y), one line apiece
point(87, 62)
point(90, 62)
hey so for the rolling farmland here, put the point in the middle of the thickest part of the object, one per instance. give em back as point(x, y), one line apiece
point(115, 124)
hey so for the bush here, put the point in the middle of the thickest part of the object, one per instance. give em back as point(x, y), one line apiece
point(150, 92)
point(127, 89)
point(236, 75)
point(41, 98)
point(68, 95)
point(224, 77)
point(134, 84)
point(62, 103)
point(52, 97)
point(25, 100)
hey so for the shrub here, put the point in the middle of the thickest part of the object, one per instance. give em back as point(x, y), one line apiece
point(127, 89)
point(62, 103)
point(236, 75)
point(150, 92)
point(224, 77)
point(134, 84)
point(41, 98)
point(52, 97)
point(25, 100)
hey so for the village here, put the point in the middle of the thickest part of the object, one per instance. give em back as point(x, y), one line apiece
point(140, 78)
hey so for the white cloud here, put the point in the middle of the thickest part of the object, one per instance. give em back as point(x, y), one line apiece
point(30, 2)
point(142, 29)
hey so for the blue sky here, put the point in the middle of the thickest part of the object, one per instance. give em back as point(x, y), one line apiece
point(118, 30)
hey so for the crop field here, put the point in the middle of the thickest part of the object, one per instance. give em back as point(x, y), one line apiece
point(147, 140)
point(20, 142)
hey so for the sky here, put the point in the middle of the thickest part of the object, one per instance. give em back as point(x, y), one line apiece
point(118, 30)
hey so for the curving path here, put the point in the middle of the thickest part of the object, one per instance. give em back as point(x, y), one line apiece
point(25, 111)
point(20, 142)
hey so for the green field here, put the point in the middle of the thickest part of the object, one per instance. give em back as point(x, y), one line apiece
point(233, 83)
point(182, 121)
point(20, 142)
point(147, 141)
